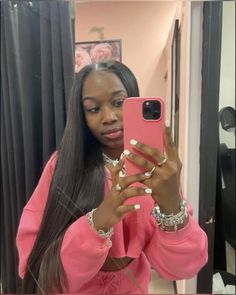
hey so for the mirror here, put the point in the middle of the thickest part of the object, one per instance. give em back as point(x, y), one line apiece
point(145, 31)
point(37, 71)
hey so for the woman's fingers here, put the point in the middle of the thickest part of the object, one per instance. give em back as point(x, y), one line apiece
point(124, 182)
point(153, 153)
point(133, 191)
point(141, 161)
point(170, 148)
point(147, 150)
point(115, 170)
point(124, 209)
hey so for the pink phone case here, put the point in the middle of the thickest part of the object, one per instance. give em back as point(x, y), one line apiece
point(135, 126)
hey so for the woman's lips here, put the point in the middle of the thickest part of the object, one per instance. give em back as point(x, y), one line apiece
point(113, 134)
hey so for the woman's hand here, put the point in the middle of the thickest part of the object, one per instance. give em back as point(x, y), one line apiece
point(113, 209)
point(165, 174)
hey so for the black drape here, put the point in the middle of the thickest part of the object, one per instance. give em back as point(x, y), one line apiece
point(36, 77)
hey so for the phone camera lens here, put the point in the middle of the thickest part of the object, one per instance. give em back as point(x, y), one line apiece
point(156, 115)
point(147, 112)
point(156, 106)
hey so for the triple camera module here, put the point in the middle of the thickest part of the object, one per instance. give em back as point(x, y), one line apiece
point(151, 110)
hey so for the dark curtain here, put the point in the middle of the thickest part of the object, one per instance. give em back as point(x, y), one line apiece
point(36, 77)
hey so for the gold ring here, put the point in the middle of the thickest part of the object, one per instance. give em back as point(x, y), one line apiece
point(149, 173)
point(162, 162)
point(118, 187)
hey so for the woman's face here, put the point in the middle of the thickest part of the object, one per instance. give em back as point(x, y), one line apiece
point(102, 98)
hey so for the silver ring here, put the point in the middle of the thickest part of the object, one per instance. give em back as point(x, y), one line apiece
point(118, 187)
point(149, 173)
point(162, 162)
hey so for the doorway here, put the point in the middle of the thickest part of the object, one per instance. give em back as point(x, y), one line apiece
point(218, 72)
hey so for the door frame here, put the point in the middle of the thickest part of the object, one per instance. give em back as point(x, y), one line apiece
point(209, 133)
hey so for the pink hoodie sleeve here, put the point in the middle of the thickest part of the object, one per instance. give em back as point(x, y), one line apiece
point(32, 215)
point(83, 251)
point(178, 255)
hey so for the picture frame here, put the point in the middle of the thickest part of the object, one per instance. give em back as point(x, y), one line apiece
point(175, 83)
point(95, 51)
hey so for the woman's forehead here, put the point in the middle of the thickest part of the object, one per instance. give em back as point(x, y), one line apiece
point(98, 81)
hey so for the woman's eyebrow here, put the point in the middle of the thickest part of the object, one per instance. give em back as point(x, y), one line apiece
point(118, 92)
point(88, 97)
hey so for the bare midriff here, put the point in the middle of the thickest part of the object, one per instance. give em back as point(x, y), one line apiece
point(112, 264)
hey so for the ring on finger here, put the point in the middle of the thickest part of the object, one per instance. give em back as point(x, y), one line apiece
point(149, 173)
point(162, 162)
point(122, 173)
point(118, 187)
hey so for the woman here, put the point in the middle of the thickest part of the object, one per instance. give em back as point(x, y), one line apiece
point(86, 229)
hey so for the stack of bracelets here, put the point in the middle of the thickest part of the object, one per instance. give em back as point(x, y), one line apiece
point(163, 220)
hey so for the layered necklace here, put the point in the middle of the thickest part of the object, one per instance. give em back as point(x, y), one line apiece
point(114, 163)
point(109, 160)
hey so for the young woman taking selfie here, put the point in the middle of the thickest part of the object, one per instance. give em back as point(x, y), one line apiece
point(78, 232)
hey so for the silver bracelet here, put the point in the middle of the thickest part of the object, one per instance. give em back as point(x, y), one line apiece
point(101, 232)
point(163, 220)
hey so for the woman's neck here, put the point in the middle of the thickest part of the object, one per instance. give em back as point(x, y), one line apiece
point(113, 154)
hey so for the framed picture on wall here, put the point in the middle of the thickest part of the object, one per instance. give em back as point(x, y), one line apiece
point(175, 83)
point(95, 51)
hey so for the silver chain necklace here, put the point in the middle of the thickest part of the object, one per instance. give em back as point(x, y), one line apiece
point(114, 163)
point(109, 160)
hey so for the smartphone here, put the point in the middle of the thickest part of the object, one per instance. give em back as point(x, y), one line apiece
point(143, 120)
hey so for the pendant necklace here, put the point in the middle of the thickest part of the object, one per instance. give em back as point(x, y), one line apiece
point(114, 163)
point(109, 160)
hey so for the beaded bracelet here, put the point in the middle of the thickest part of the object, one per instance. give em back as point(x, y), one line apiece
point(170, 220)
point(101, 232)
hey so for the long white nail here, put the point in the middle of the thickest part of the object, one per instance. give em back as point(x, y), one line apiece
point(122, 156)
point(147, 174)
point(126, 152)
point(137, 206)
point(167, 123)
point(148, 190)
point(121, 174)
point(133, 142)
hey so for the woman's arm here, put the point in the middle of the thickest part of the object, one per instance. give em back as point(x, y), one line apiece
point(83, 251)
point(178, 255)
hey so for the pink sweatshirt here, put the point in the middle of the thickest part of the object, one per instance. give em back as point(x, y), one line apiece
point(174, 255)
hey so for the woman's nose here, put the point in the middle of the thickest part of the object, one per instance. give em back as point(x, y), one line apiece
point(109, 116)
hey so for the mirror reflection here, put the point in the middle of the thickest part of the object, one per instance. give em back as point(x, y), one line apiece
point(92, 202)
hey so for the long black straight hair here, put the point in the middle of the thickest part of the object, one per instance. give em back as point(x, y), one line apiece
point(76, 188)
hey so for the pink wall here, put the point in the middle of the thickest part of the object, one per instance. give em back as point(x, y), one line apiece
point(182, 15)
point(143, 28)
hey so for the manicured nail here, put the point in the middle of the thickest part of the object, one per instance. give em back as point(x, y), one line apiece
point(133, 142)
point(147, 174)
point(121, 174)
point(122, 156)
point(148, 190)
point(137, 206)
point(167, 123)
point(126, 152)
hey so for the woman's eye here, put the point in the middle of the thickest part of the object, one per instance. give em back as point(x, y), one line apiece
point(118, 102)
point(93, 110)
